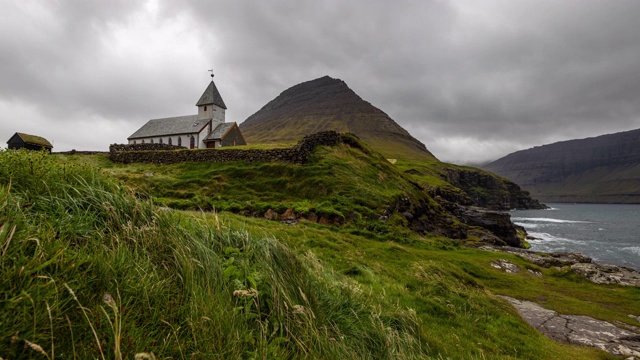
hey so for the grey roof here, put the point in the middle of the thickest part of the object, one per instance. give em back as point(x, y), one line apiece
point(211, 96)
point(170, 126)
point(219, 131)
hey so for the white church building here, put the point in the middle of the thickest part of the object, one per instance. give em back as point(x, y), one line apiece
point(207, 129)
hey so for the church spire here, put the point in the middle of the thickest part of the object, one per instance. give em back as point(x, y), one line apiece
point(211, 95)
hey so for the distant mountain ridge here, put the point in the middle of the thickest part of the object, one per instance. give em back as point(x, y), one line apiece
point(603, 169)
point(329, 104)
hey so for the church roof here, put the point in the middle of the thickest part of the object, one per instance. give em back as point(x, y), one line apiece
point(171, 126)
point(219, 131)
point(33, 139)
point(211, 96)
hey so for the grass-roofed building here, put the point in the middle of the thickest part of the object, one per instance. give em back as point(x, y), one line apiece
point(31, 142)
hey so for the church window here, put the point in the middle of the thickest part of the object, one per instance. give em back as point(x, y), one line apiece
point(179, 141)
point(152, 141)
point(205, 108)
point(192, 142)
point(143, 141)
point(160, 140)
point(134, 142)
point(170, 143)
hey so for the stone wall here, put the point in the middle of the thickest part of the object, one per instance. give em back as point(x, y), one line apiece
point(76, 152)
point(168, 154)
point(143, 147)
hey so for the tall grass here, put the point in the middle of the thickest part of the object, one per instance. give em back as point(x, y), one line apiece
point(89, 271)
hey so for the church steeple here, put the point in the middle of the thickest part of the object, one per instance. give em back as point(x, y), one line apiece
point(211, 104)
point(211, 96)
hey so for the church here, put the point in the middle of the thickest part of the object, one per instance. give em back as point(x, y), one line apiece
point(207, 129)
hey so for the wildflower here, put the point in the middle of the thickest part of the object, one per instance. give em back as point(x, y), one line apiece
point(36, 348)
point(108, 299)
point(145, 356)
point(245, 293)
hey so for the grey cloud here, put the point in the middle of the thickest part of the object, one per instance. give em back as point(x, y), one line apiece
point(472, 80)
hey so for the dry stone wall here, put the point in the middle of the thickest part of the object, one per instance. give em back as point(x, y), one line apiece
point(168, 154)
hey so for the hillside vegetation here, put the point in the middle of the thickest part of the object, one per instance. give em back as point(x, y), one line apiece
point(93, 265)
point(329, 104)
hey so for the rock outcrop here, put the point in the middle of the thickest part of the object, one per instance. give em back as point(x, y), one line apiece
point(578, 263)
point(579, 330)
point(489, 191)
point(607, 274)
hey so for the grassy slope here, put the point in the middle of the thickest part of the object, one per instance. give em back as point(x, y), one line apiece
point(89, 271)
point(173, 277)
point(292, 129)
point(340, 182)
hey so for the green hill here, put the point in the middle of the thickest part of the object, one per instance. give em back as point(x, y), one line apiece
point(329, 104)
point(93, 267)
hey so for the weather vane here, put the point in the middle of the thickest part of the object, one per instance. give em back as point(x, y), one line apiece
point(211, 71)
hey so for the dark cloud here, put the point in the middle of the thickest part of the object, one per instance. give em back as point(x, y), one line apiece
point(472, 80)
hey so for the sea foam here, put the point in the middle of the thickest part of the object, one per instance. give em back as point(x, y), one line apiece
point(549, 220)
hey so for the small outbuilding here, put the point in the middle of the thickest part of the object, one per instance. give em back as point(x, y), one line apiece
point(225, 134)
point(31, 142)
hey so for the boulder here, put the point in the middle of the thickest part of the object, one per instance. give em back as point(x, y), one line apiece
point(288, 215)
point(271, 215)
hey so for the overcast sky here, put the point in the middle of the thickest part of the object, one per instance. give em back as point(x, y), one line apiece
point(473, 80)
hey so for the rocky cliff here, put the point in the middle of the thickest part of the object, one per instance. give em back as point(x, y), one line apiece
point(602, 169)
point(329, 104)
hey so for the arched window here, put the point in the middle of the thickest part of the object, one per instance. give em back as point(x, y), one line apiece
point(134, 142)
point(160, 140)
point(192, 142)
point(179, 141)
point(151, 141)
point(170, 141)
point(143, 141)
point(205, 108)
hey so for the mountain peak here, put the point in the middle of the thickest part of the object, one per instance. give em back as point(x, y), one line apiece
point(328, 103)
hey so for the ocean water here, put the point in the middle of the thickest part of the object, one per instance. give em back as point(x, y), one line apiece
point(608, 233)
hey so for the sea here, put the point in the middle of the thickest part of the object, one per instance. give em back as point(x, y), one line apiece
point(608, 233)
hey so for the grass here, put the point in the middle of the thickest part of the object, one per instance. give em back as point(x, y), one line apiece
point(90, 268)
point(186, 285)
point(340, 182)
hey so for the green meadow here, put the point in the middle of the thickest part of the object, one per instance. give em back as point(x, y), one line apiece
point(111, 261)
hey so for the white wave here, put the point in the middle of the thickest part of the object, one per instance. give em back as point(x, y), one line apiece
point(527, 226)
point(549, 220)
point(548, 238)
point(633, 249)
